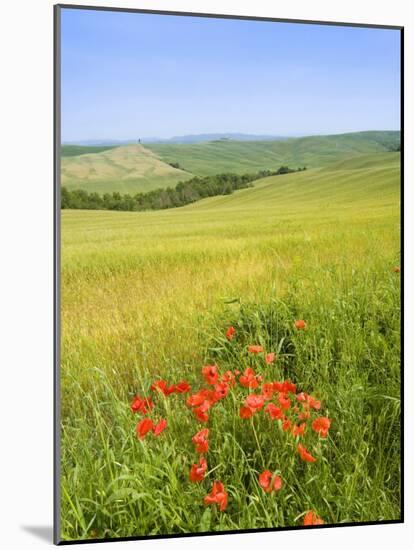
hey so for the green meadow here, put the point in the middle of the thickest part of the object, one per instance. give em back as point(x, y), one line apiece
point(149, 295)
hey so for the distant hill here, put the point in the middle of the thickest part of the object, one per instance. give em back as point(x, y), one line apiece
point(135, 168)
point(251, 156)
point(191, 138)
point(126, 169)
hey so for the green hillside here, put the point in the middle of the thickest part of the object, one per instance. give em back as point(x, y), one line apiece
point(126, 169)
point(75, 150)
point(250, 156)
point(355, 183)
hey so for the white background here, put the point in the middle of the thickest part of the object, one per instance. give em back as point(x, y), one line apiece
point(26, 296)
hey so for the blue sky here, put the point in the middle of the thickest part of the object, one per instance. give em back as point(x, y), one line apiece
point(131, 75)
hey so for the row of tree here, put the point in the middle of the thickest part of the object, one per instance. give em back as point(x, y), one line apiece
point(183, 193)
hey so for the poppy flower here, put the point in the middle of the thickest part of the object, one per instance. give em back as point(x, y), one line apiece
point(396, 269)
point(245, 412)
point(143, 427)
point(269, 358)
point(197, 471)
point(268, 483)
point(200, 440)
point(141, 405)
point(304, 415)
point(274, 412)
point(162, 387)
point(321, 425)
point(314, 403)
point(255, 349)
point(228, 378)
point(201, 413)
point(299, 430)
point(182, 387)
point(248, 379)
point(218, 495)
point(302, 397)
point(311, 518)
point(284, 387)
point(286, 424)
point(230, 332)
point(284, 401)
point(159, 427)
point(198, 398)
point(220, 391)
point(210, 373)
point(254, 402)
point(305, 454)
point(267, 390)
point(300, 324)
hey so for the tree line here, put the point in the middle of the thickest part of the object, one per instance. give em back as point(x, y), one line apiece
point(183, 193)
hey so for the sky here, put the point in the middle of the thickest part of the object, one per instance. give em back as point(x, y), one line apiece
point(133, 75)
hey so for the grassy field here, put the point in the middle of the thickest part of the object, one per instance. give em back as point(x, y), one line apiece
point(126, 169)
point(151, 294)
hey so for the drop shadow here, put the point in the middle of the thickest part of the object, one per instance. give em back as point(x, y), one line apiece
point(43, 532)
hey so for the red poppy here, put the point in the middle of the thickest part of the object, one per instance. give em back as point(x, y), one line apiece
point(396, 269)
point(141, 405)
point(143, 427)
point(229, 378)
point(210, 373)
point(245, 412)
point(304, 415)
point(299, 430)
point(201, 414)
point(314, 403)
point(197, 471)
point(267, 390)
point(268, 483)
point(302, 397)
point(284, 387)
point(311, 518)
point(198, 398)
point(254, 402)
point(321, 425)
point(159, 427)
point(305, 454)
point(162, 387)
point(255, 349)
point(220, 391)
point(182, 387)
point(274, 412)
point(200, 440)
point(230, 332)
point(248, 379)
point(218, 495)
point(286, 424)
point(269, 358)
point(284, 401)
point(300, 324)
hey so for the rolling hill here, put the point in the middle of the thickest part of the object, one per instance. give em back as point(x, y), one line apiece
point(126, 169)
point(251, 156)
point(137, 168)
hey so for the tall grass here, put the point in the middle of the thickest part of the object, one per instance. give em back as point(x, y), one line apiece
point(150, 295)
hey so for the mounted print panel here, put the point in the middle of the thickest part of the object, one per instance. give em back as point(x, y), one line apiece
point(228, 274)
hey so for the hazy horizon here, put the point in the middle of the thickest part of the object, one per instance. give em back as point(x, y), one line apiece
point(131, 75)
point(273, 136)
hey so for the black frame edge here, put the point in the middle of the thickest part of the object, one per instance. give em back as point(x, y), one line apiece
point(56, 268)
